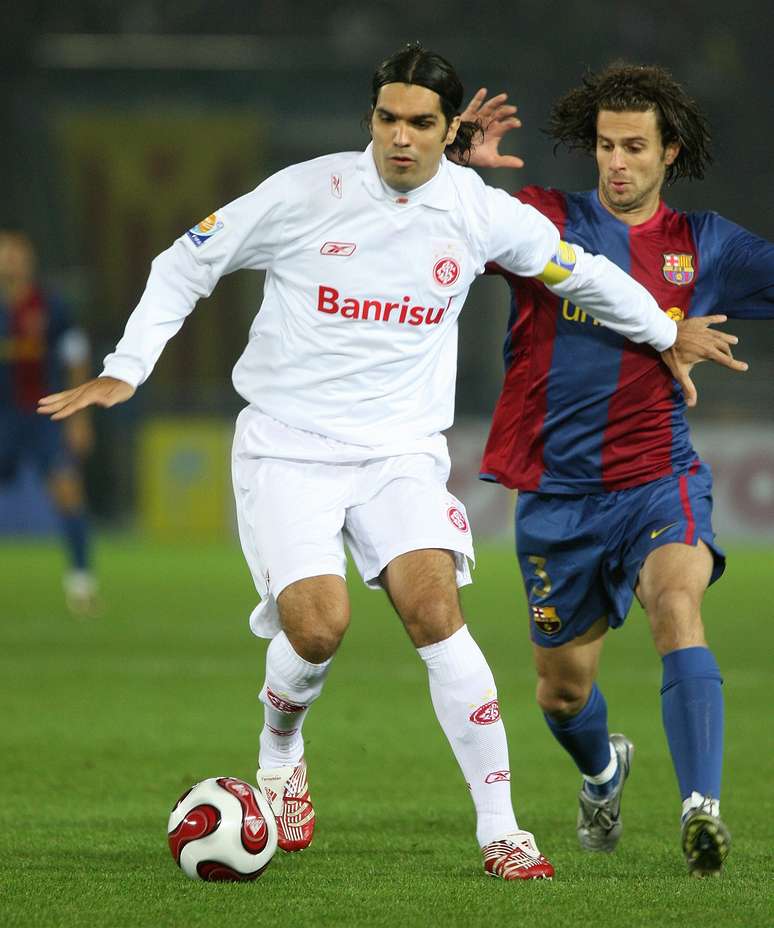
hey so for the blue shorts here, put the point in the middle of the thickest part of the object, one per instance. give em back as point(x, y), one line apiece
point(580, 556)
point(28, 437)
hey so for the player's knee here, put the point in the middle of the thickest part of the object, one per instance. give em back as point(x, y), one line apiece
point(66, 492)
point(561, 699)
point(318, 641)
point(432, 618)
point(315, 616)
point(675, 617)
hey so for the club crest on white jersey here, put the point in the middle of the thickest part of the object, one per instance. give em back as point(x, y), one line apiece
point(446, 271)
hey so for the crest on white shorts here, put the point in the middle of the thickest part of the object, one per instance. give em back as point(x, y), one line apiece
point(457, 519)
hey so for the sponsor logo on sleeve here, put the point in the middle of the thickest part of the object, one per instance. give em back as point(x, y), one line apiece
point(678, 269)
point(336, 188)
point(203, 231)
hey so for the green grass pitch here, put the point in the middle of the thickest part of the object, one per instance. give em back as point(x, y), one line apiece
point(105, 723)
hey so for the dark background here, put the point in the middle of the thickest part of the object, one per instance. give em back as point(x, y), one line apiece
point(94, 95)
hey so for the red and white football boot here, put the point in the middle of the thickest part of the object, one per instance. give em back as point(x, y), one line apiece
point(516, 857)
point(287, 790)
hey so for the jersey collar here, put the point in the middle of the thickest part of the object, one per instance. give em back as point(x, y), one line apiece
point(641, 227)
point(437, 193)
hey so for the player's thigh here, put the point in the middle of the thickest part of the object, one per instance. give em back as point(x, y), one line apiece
point(671, 587)
point(562, 546)
point(422, 586)
point(404, 506)
point(567, 673)
point(290, 517)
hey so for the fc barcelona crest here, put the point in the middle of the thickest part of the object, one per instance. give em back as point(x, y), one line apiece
point(546, 619)
point(678, 269)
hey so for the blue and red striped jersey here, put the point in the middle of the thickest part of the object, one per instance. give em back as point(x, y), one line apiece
point(30, 363)
point(584, 410)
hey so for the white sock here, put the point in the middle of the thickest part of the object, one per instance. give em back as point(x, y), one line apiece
point(464, 697)
point(607, 774)
point(291, 686)
point(698, 801)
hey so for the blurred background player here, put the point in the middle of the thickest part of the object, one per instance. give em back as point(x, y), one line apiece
point(613, 500)
point(42, 349)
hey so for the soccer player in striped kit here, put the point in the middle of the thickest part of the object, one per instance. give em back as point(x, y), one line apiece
point(613, 500)
point(42, 349)
point(349, 375)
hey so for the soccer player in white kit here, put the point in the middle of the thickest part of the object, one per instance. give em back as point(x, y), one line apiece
point(349, 376)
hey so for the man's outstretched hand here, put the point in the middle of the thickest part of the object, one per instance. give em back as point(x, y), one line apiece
point(497, 118)
point(102, 391)
point(695, 342)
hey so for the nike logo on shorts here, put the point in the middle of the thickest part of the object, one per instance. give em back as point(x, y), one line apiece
point(658, 531)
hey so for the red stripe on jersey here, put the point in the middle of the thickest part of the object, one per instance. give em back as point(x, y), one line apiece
point(690, 528)
point(514, 449)
point(638, 434)
point(29, 324)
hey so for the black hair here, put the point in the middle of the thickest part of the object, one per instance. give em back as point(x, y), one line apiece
point(620, 87)
point(414, 64)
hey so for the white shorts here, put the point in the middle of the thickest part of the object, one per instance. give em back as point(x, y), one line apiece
point(294, 517)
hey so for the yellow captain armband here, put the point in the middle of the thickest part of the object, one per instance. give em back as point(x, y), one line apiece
point(560, 266)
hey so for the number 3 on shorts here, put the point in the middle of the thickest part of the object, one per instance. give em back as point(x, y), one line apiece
point(544, 589)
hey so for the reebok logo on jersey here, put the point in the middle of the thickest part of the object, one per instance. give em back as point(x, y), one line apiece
point(338, 248)
point(330, 301)
point(660, 531)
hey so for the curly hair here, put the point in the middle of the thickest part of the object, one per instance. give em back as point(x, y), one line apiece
point(620, 87)
point(414, 64)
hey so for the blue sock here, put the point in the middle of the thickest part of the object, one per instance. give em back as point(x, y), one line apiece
point(75, 528)
point(692, 710)
point(586, 739)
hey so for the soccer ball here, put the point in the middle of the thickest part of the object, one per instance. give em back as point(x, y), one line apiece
point(222, 829)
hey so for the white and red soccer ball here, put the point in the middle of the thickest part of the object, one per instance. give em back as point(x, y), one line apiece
point(222, 830)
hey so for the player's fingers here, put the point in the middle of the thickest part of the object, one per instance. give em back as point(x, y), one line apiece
point(714, 320)
point(54, 398)
point(503, 125)
point(689, 390)
point(511, 161)
point(729, 361)
point(505, 112)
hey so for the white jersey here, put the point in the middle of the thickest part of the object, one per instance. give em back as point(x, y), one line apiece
point(356, 338)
